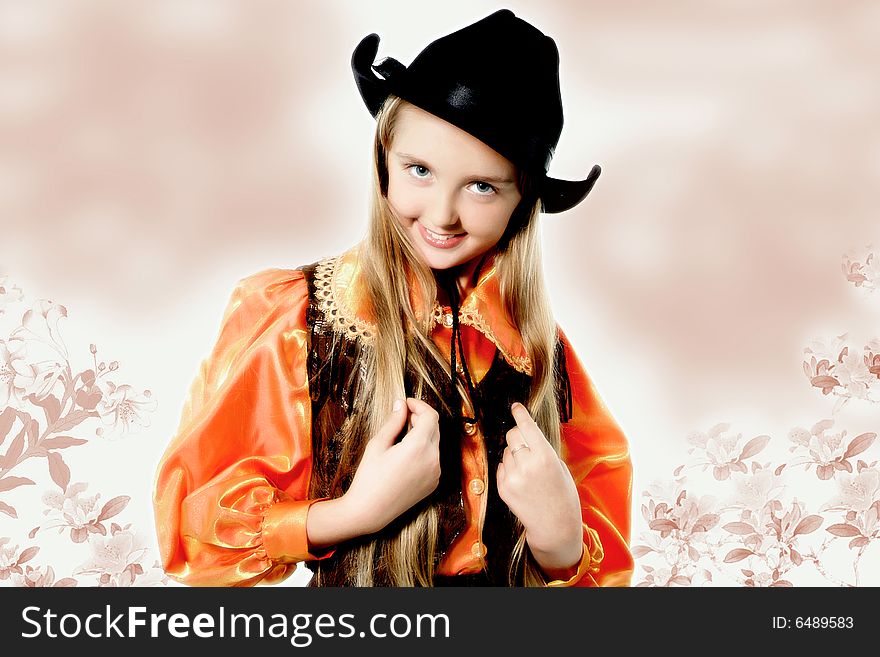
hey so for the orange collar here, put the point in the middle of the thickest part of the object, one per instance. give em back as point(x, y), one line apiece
point(340, 291)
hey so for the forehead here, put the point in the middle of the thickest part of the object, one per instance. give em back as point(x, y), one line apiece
point(427, 136)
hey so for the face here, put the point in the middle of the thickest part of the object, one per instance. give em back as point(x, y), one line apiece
point(452, 194)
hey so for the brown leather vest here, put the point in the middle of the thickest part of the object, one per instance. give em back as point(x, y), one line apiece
point(334, 377)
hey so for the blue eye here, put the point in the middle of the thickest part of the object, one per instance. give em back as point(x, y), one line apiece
point(484, 189)
point(418, 171)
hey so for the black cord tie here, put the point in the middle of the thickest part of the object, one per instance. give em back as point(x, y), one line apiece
point(456, 349)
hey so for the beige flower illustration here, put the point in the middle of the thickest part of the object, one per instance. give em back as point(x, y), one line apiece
point(857, 492)
point(854, 375)
point(116, 560)
point(8, 559)
point(70, 509)
point(16, 376)
point(754, 491)
point(122, 408)
point(39, 383)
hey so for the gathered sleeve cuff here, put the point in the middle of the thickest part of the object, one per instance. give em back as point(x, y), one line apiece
point(231, 492)
point(284, 532)
point(597, 454)
point(588, 566)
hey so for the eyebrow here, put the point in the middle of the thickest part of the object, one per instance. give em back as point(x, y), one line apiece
point(481, 178)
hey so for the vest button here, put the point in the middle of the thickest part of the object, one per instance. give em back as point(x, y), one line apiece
point(447, 320)
point(477, 486)
point(478, 549)
point(470, 428)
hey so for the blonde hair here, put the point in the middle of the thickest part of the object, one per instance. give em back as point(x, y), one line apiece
point(391, 266)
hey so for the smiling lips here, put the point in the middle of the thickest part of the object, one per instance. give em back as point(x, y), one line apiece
point(439, 240)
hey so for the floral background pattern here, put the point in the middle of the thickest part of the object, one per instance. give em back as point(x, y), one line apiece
point(153, 154)
point(51, 406)
point(759, 532)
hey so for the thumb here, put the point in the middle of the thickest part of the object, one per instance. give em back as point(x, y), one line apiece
point(389, 431)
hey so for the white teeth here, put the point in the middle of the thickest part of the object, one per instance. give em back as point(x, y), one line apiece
point(441, 238)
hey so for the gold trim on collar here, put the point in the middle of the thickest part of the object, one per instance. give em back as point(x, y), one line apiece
point(472, 317)
point(347, 323)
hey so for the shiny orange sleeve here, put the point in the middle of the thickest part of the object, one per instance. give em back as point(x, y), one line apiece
point(596, 452)
point(231, 493)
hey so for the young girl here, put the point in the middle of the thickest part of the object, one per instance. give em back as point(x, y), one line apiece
point(408, 413)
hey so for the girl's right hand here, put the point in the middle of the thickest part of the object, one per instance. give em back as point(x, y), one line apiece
point(391, 477)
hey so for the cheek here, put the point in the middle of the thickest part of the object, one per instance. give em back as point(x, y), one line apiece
point(403, 199)
point(489, 224)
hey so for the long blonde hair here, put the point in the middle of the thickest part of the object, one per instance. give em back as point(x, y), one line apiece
point(391, 266)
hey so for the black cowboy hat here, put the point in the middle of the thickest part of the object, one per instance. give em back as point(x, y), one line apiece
point(498, 80)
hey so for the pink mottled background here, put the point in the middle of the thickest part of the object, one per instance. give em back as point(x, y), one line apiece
point(151, 154)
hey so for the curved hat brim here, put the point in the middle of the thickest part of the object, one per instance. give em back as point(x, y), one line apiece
point(560, 195)
point(374, 90)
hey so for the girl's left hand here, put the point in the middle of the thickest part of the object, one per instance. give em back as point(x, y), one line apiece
point(537, 486)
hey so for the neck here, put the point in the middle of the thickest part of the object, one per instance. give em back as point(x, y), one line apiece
point(465, 277)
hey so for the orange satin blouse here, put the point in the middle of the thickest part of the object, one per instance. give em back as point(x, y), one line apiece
point(231, 494)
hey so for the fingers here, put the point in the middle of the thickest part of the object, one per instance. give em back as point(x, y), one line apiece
point(500, 478)
point(523, 419)
point(425, 421)
point(389, 431)
point(419, 407)
point(526, 438)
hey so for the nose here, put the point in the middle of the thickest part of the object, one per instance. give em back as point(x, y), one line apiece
point(442, 212)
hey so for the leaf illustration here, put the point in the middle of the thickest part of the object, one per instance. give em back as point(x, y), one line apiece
point(739, 466)
point(58, 470)
point(50, 404)
point(6, 420)
point(97, 529)
point(721, 472)
point(640, 551)
point(859, 541)
point(824, 382)
point(825, 472)
point(67, 581)
point(859, 444)
point(88, 400)
point(62, 442)
point(843, 530)
point(741, 528)
point(72, 419)
point(778, 471)
point(754, 446)
point(14, 451)
point(782, 582)
point(33, 432)
point(661, 524)
point(28, 554)
point(33, 532)
point(807, 525)
point(114, 507)
point(708, 520)
point(8, 483)
point(8, 510)
point(737, 554)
